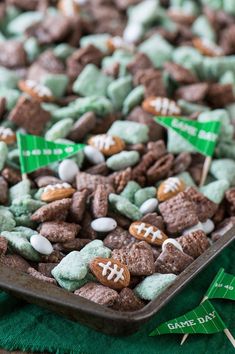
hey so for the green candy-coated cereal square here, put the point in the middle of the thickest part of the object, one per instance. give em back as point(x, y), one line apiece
point(100, 41)
point(100, 105)
point(71, 285)
point(189, 108)
point(144, 194)
point(177, 144)
point(20, 23)
point(93, 250)
point(118, 90)
point(225, 149)
point(57, 83)
point(229, 6)
point(188, 57)
point(186, 178)
point(25, 220)
point(224, 169)
point(19, 244)
point(145, 13)
point(130, 132)
point(8, 78)
point(7, 222)
point(157, 49)
point(20, 190)
point(25, 205)
point(124, 207)
point(129, 191)
point(32, 48)
point(202, 28)
point(71, 267)
point(134, 98)
point(215, 190)
point(11, 96)
point(63, 51)
point(152, 286)
point(123, 160)
point(91, 81)
point(3, 154)
point(59, 129)
point(25, 231)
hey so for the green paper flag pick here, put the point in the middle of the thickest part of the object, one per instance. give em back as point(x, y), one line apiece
point(222, 287)
point(36, 152)
point(202, 136)
point(203, 319)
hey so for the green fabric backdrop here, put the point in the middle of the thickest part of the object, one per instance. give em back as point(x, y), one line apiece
point(28, 327)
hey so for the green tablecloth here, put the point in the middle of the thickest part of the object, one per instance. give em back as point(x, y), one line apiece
point(30, 328)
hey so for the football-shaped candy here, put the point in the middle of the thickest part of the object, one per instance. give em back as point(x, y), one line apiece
point(7, 135)
point(207, 47)
point(110, 272)
point(169, 188)
point(36, 90)
point(107, 144)
point(58, 191)
point(147, 232)
point(161, 106)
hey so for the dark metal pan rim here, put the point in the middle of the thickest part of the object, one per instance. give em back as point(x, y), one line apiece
point(29, 288)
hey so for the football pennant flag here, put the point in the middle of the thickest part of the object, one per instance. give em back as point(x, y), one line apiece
point(203, 319)
point(36, 152)
point(222, 287)
point(202, 135)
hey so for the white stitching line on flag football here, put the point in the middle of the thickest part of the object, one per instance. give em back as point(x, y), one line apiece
point(172, 184)
point(165, 106)
point(113, 271)
point(103, 141)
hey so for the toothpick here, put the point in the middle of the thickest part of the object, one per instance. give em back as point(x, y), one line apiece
point(24, 176)
point(205, 170)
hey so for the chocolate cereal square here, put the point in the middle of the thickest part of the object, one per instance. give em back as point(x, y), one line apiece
point(178, 213)
point(29, 114)
point(205, 208)
point(98, 293)
point(12, 54)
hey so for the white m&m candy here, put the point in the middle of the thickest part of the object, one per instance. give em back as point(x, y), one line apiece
point(149, 206)
point(41, 244)
point(93, 155)
point(68, 170)
point(104, 224)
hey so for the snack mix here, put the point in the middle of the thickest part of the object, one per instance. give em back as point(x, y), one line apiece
point(120, 220)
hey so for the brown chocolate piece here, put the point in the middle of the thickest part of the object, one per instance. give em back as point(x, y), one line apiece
point(180, 74)
point(81, 57)
point(230, 199)
point(128, 301)
point(29, 114)
point(205, 208)
point(53, 28)
point(43, 181)
point(193, 93)
point(87, 231)
point(100, 202)
point(178, 213)
point(3, 191)
point(90, 182)
point(15, 261)
point(219, 95)
point(98, 293)
point(152, 80)
point(28, 5)
point(2, 106)
point(59, 231)
point(140, 116)
point(3, 245)
point(227, 40)
point(34, 273)
point(11, 176)
point(219, 214)
point(160, 169)
point(55, 257)
point(222, 228)
point(46, 268)
point(181, 163)
point(100, 169)
point(82, 127)
point(120, 179)
point(118, 238)
point(155, 220)
point(194, 243)
point(138, 258)
point(103, 125)
point(12, 54)
point(57, 210)
point(74, 245)
point(121, 220)
point(171, 260)
point(78, 205)
point(140, 62)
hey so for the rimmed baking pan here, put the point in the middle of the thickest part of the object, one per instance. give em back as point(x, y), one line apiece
point(96, 316)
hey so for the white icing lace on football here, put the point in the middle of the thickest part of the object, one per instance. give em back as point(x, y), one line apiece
point(111, 271)
point(6, 132)
point(53, 187)
point(38, 88)
point(172, 184)
point(103, 141)
point(217, 50)
point(148, 231)
point(165, 106)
